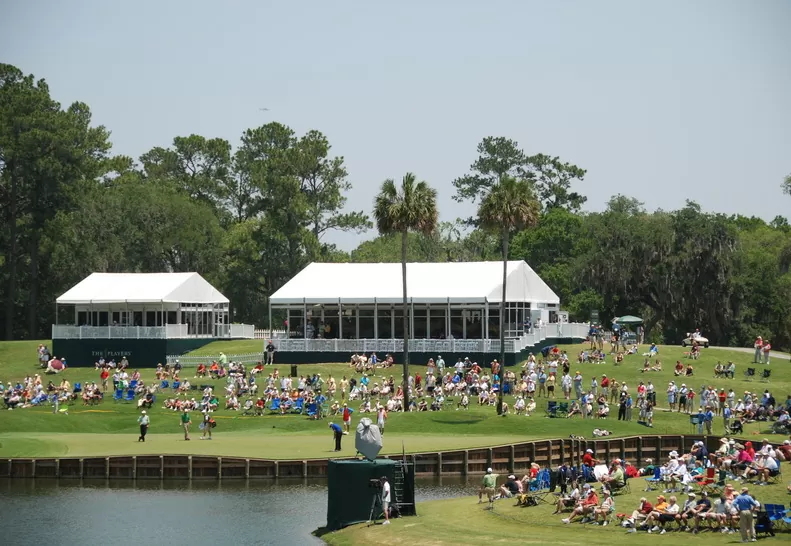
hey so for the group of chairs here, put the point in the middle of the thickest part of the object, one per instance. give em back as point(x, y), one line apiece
point(557, 409)
point(315, 410)
point(749, 374)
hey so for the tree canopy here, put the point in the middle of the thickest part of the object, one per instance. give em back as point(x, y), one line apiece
point(249, 214)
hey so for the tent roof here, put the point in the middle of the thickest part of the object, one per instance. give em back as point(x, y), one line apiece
point(426, 283)
point(142, 288)
point(628, 319)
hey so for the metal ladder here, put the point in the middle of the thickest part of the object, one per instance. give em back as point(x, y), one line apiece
point(398, 485)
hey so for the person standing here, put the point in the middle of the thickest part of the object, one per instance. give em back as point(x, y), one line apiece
point(347, 417)
point(143, 421)
point(759, 344)
point(386, 500)
point(381, 418)
point(337, 432)
point(767, 347)
point(206, 425)
point(185, 423)
point(488, 486)
point(745, 505)
point(270, 352)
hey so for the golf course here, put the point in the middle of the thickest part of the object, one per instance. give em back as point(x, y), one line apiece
point(110, 428)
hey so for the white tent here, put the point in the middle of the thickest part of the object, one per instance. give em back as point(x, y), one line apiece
point(454, 282)
point(142, 288)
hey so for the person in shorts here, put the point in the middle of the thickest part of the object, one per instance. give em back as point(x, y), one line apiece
point(488, 486)
point(386, 500)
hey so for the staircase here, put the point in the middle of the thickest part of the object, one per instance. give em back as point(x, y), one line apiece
point(398, 486)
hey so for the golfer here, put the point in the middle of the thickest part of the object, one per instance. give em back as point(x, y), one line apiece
point(143, 421)
point(746, 505)
point(488, 486)
point(338, 433)
point(206, 425)
point(186, 422)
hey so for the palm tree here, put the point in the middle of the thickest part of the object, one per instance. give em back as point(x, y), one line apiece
point(412, 207)
point(509, 205)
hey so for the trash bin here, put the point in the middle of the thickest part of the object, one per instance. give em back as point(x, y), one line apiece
point(294, 370)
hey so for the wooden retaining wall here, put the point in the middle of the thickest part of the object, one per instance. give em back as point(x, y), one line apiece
point(467, 462)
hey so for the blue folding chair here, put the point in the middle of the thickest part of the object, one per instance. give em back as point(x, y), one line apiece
point(77, 388)
point(176, 385)
point(652, 483)
point(299, 405)
point(313, 410)
point(119, 395)
point(130, 396)
point(164, 385)
point(274, 406)
point(133, 384)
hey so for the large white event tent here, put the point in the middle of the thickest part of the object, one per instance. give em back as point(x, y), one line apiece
point(453, 299)
point(152, 300)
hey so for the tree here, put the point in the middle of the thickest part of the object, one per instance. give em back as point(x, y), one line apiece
point(324, 182)
point(499, 156)
point(412, 207)
point(510, 205)
point(787, 185)
point(552, 180)
point(197, 165)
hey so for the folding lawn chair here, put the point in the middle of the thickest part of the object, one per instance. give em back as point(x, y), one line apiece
point(652, 483)
point(274, 405)
point(119, 395)
point(708, 482)
point(765, 375)
point(552, 408)
point(749, 373)
point(563, 409)
point(130, 396)
point(312, 410)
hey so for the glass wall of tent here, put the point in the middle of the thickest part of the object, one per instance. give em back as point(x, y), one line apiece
point(385, 321)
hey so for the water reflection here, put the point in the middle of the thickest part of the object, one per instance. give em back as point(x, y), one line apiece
point(196, 512)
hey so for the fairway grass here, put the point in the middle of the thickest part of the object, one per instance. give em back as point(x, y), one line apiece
point(111, 428)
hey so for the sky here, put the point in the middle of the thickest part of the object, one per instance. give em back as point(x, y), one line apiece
point(660, 100)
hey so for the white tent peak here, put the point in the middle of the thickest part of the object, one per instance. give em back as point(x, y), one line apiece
point(426, 283)
point(142, 288)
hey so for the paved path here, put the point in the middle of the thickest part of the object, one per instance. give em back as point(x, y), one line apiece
point(749, 351)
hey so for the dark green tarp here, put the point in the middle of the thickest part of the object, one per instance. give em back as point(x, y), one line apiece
point(349, 497)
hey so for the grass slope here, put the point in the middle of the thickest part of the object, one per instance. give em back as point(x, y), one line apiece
point(110, 428)
point(462, 521)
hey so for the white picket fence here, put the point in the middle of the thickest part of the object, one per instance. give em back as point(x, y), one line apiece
point(192, 361)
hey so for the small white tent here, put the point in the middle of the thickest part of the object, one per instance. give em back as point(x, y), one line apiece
point(142, 288)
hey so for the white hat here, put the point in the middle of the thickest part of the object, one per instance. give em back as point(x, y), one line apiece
point(691, 495)
point(674, 453)
point(588, 451)
point(143, 412)
point(488, 470)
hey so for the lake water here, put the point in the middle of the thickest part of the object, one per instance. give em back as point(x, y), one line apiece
point(121, 513)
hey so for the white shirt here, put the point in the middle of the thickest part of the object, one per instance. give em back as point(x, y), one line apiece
point(386, 492)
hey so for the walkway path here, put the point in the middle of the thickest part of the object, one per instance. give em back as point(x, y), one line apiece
point(748, 350)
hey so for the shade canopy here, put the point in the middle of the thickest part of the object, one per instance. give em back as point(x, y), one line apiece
point(628, 319)
point(455, 282)
point(143, 288)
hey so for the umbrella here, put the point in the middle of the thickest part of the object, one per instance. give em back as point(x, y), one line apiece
point(628, 319)
point(368, 439)
point(56, 364)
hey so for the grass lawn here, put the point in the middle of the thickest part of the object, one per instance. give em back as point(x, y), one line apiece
point(464, 521)
point(110, 428)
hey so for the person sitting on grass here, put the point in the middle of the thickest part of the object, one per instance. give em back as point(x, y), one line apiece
point(585, 507)
point(603, 512)
point(702, 506)
point(511, 487)
point(201, 371)
point(464, 402)
point(567, 501)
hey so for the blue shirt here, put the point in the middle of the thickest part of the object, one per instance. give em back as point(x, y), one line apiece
point(744, 502)
point(336, 428)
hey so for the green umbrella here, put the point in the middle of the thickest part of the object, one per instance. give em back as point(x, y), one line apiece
point(628, 319)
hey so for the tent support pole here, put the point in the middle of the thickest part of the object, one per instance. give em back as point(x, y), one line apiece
point(340, 320)
point(486, 318)
point(447, 322)
point(305, 318)
point(376, 320)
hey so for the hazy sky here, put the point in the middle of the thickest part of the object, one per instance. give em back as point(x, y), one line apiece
point(663, 100)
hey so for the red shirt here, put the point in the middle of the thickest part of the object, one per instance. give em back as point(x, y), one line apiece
point(105, 374)
point(605, 383)
point(347, 414)
point(587, 459)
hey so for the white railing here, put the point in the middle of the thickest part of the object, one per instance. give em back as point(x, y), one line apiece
point(270, 334)
point(192, 361)
point(244, 331)
point(439, 346)
point(169, 331)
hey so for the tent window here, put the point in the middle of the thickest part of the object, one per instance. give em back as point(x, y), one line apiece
point(384, 317)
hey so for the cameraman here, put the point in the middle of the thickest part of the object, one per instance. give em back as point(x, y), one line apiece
point(386, 500)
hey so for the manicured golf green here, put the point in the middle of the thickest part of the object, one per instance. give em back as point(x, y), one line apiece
point(110, 427)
